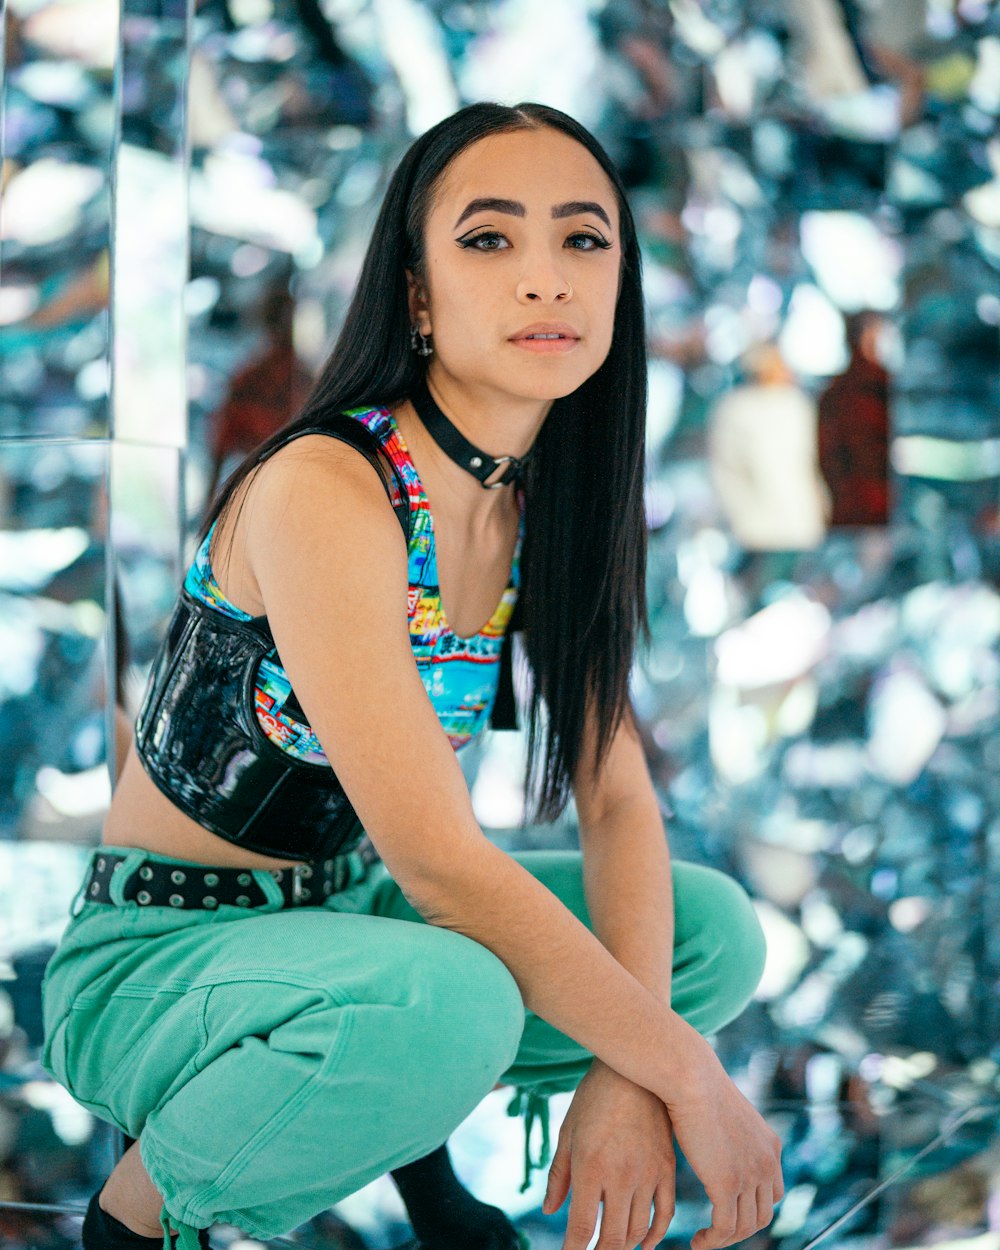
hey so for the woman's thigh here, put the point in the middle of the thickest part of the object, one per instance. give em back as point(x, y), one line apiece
point(139, 1001)
point(269, 1061)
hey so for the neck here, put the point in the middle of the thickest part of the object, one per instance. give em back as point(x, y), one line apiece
point(497, 423)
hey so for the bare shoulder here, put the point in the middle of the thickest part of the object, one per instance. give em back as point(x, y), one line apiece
point(319, 511)
point(313, 485)
point(313, 462)
point(317, 485)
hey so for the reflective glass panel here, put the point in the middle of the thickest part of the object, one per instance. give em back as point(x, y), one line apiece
point(57, 113)
point(53, 774)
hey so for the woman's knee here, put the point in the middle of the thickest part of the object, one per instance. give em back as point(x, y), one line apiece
point(720, 942)
point(489, 1000)
point(474, 1007)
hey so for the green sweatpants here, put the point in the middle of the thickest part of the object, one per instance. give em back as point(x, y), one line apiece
point(273, 1060)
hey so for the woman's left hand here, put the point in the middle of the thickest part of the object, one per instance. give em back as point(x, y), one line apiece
point(616, 1146)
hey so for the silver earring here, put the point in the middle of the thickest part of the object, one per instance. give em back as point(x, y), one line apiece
point(420, 344)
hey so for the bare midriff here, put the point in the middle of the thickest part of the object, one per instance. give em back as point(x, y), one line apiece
point(142, 816)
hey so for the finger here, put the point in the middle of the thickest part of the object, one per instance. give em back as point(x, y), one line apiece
point(746, 1215)
point(559, 1175)
point(582, 1218)
point(664, 1199)
point(615, 1222)
point(765, 1205)
point(639, 1217)
point(720, 1231)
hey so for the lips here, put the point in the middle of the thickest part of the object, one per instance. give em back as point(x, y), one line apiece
point(546, 332)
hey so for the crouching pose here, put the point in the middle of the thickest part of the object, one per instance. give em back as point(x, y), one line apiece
point(295, 963)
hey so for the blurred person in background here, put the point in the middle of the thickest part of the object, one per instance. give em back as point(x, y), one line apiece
point(763, 461)
point(853, 430)
point(264, 393)
point(295, 962)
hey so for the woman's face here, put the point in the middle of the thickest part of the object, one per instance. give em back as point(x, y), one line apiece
point(521, 240)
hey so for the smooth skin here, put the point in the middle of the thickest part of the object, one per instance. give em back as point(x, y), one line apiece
point(317, 538)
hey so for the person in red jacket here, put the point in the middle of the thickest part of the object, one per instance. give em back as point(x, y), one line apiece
point(854, 428)
point(264, 394)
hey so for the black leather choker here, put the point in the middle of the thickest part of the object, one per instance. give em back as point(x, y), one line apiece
point(454, 444)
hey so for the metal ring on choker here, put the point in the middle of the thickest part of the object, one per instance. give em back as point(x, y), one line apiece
point(457, 447)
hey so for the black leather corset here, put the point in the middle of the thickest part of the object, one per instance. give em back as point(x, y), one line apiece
point(199, 739)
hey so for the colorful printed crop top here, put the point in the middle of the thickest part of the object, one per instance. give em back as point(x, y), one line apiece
point(460, 675)
point(221, 732)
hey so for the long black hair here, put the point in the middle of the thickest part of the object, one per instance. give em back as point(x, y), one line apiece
point(582, 605)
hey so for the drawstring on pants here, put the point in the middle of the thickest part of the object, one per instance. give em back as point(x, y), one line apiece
point(187, 1234)
point(534, 1107)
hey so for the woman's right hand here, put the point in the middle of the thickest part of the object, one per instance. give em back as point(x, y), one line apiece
point(734, 1152)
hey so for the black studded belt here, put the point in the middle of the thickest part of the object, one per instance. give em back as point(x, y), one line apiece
point(156, 884)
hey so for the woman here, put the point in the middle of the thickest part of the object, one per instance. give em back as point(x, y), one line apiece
point(279, 1017)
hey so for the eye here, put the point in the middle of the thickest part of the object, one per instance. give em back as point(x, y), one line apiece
point(584, 241)
point(485, 241)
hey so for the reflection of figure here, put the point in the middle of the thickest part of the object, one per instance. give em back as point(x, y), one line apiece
point(762, 455)
point(78, 299)
point(847, 46)
point(643, 87)
point(265, 393)
point(280, 1009)
point(324, 86)
point(894, 35)
point(854, 429)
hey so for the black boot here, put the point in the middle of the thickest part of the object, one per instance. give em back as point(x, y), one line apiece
point(444, 1215)
point(101, 1231)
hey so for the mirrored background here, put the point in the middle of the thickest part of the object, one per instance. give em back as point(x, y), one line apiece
point(58, 106)
point(187, 192)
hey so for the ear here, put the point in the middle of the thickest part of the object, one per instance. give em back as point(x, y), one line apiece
point(416, 298)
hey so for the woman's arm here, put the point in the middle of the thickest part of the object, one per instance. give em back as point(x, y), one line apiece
point(616, 1147)
point(331, 567)
point(626, 858)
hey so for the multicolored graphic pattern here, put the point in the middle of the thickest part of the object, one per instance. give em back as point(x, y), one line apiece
point(459, 674)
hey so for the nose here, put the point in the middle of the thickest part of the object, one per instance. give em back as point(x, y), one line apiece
point(543, 281)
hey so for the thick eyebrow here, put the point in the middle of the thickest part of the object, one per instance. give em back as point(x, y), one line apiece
point(516, 209)
point(572, 207)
